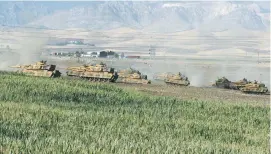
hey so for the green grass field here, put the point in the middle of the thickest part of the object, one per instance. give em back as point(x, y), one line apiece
point(42, 115)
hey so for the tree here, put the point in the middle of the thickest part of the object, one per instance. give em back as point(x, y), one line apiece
point(116, 55)
point(78, 55)
point(8, 48)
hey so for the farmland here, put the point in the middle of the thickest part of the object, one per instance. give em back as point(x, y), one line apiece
point(73, 116)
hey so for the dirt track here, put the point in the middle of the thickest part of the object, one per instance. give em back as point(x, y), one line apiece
point(200, 93)
point(196, 91)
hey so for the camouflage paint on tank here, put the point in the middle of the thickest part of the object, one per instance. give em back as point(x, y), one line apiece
point(96, 72)
point(227, 84)
point(40, 69)
point(254, 88)
point(132, 76)
point(177, 79)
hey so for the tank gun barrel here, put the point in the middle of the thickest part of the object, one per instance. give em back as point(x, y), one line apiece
point(18, 66)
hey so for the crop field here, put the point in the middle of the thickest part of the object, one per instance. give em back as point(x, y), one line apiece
point(74, 116)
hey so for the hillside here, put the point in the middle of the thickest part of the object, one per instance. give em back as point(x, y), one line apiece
point(72, 116)
point(148, 16)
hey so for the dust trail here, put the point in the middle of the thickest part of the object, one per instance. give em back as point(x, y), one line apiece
point(205, 76)
point(8, 58)
point(28, 50)
point(202, 75)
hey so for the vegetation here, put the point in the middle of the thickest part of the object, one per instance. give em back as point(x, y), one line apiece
point(73, 116)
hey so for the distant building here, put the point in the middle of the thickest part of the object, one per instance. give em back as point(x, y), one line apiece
point(103, 54)
point(89, 44)
point(111, 56)
point(85, 55)
point(95, 54)
point(91, 54)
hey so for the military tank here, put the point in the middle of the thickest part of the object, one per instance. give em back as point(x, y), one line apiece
point(177, 79)
point(40, 69)
point(95, 72)
point(227, 84)
point(255, 88)
point(222, 83)
point(132, 76)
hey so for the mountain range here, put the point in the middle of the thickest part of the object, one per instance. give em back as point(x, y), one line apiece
point(148, 15)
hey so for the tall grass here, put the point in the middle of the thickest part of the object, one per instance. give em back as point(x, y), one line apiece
point(42, 115)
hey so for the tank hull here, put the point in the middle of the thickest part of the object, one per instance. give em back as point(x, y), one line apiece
point(254, 90)
point(133, 81)
point(221, 85)
point(94, 76)
point(41, 73)
point(176, 79)
point(226, 84)
point(94, 73)
point(131, 76)
point(40, 69)
point(237, 85)
point(177, 82)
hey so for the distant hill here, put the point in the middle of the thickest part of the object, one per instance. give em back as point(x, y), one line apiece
point(149, 16)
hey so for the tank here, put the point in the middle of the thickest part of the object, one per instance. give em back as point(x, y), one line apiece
point(132, 76)
point(95, 72)
point(178, 79)
point(227, 84)
point(222, 83)
point(40, 69)
point(256, 88)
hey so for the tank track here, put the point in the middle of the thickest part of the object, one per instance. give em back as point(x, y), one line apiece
point(139, 81)
point(176, 84)
point(257, 93)
point(93, 79)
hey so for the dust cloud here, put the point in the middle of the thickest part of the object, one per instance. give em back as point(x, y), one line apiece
point(204, 75)
point(198, 72)
point(27, 50)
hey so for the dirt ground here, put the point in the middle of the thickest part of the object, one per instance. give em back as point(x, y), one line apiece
point(200, 74)
point(200, 93)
